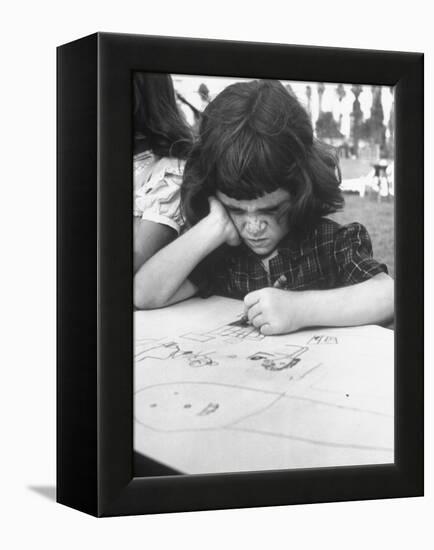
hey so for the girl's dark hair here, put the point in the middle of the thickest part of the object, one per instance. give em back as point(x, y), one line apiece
point(158, 123)
point(254, 138)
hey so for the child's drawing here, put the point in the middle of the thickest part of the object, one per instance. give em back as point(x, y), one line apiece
point(322, 339)
point(236, 332)
point(279, 361)
point(199, 406)
point(216, 396)
point(161, 351)
point(197, 337)
point(200, 360)
point(209, 409)
point(231, 332)
point(186, 406)
point(172, 350)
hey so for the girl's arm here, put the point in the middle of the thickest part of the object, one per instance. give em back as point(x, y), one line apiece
point(149, 237)
point(276, 311)
point(163, 279)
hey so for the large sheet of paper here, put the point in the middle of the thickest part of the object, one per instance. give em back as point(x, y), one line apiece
point(211, 395)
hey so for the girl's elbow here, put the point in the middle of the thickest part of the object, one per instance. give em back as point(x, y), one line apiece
point(148, 302)
point(143, 299)
point(140, 301)
point(386, 298)
point(391, 297)
point(389, 290)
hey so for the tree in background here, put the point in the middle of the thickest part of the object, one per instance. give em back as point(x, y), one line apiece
point(320, 90)
point(290, 90)
point(391, 127)
point(204, 93)
point(340, 92)
point(326, 126)
point(356, 118)
point(373, 129)
point(309, 100)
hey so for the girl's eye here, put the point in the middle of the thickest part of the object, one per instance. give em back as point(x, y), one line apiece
point(272, 212)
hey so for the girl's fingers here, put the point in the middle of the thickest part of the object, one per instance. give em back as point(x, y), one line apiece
point(266, 329)
point(253, 312)
point(251, 299)
point(258, 321)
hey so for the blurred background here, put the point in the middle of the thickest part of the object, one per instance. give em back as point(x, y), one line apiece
point(359, 121)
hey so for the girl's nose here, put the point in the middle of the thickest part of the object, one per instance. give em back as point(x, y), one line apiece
point(255, 226)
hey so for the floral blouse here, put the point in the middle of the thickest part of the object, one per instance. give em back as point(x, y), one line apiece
point(157, 187)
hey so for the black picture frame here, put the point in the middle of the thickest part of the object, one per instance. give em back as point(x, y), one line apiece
point(95, 342)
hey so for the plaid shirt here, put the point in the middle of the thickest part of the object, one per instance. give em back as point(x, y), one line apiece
point(331, 256)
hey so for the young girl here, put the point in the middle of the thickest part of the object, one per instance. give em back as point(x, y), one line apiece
point(162, 140)
point(256, 190)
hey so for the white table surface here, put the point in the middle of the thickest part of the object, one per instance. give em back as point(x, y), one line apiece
point(210, 398)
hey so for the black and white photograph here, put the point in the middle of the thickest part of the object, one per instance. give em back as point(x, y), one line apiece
point(264, 266)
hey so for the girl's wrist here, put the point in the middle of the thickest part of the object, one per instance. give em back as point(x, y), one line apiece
point(309, 308)
point(302, 308)
point(213, 230)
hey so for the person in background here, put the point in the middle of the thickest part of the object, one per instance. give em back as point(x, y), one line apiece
point(162, 141)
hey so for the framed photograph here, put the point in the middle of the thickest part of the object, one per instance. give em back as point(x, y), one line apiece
point(240, 274)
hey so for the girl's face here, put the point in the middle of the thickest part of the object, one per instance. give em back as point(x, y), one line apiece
point(262, 223)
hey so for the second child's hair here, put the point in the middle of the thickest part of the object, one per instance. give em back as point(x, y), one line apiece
point(254, 138)
point(158, 124)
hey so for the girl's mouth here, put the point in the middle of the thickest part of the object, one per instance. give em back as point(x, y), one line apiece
point(257, 241)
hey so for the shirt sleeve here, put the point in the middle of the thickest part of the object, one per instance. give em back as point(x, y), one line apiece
point(157, 198)
point(353, 255)
point(200, 277)
point(209, 276)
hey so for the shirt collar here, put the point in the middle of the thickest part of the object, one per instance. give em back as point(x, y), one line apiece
point(288, 247)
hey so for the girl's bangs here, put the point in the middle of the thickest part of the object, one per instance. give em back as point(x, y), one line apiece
point(250, 169)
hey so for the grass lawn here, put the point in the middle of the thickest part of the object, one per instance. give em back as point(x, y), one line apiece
point(378, 218)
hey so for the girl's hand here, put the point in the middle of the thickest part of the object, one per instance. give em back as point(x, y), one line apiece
point(274, 311)
point(218, 215)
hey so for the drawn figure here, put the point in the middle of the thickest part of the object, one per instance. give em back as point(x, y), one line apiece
point(186, 406)
point(197, 337)
point(280, 364)
point(231, 332)
point(200, 361)
point(279, 361)
point(171, 350)
point(209, 409)
point(238, 331)
point(160, 351)
point(323, 339)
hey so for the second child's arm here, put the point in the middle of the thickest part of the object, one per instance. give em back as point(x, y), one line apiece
point(163, 279)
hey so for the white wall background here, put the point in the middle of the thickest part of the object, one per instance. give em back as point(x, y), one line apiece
point(30, 31)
